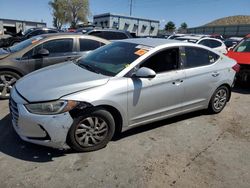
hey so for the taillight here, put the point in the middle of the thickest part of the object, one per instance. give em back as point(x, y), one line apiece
point(236, 67)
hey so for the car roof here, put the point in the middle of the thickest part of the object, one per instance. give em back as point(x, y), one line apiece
point(113, 30)
point(190, 37)
point(152, 42)
point(61, 35)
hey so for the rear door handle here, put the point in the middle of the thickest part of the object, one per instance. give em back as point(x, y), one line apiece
point(215, 74)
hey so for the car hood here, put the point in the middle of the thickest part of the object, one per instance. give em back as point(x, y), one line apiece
point(3, 53)
point(240, 57)
point(51, 83)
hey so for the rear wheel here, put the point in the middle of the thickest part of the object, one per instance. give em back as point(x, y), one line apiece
point(92, 131)
point(219, 100)
point(7, 81)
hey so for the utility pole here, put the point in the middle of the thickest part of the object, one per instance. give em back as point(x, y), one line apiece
point(131, 4)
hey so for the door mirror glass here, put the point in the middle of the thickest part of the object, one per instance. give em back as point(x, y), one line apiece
point(145, 72)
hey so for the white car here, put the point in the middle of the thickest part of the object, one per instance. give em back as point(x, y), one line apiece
point(216, 44)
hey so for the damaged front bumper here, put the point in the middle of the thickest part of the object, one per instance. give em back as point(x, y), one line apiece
point(46, 130)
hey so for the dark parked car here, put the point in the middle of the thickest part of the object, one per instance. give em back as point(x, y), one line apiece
point(110, 34)
point(41, 51)
point(16, 38)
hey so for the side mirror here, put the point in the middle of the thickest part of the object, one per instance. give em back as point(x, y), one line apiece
point(145, 72)
point(42, 53)
point(230, 49)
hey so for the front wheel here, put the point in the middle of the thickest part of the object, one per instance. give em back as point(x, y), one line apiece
point(7, 81)
point(219, 100)
point(92, 131)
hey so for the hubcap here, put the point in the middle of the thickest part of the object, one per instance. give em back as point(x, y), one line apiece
point(220, 99)
point(6, 83)
point(91, 131)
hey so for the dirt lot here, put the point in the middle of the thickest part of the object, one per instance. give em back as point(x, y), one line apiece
point(195, 150)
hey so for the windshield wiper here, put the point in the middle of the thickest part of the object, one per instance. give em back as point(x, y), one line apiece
point(88, 67)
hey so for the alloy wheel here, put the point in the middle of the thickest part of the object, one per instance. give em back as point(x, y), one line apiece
point(220, 99)
point(6, 83)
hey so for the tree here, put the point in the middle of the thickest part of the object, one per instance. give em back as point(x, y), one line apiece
point(77, 11)
point(58, 13)
point(170, 26)
point(69, 11)
point(184, 25)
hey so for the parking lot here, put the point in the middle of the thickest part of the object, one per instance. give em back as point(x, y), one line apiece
point(194, 150)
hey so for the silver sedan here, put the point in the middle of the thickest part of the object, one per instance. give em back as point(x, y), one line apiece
point(124, 84)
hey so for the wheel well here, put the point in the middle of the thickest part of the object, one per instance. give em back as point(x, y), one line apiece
point(229, 89)
point(11, 70)
point(114, 112)
point(117, 117)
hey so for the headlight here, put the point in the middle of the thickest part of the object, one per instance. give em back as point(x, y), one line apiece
point(50, 108)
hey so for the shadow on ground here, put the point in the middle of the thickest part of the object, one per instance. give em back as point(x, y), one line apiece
point(12, 145)
point(166, 122)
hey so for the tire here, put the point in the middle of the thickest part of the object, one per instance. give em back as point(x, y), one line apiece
point(83, 134)
point(219, 100)
point(7, 81)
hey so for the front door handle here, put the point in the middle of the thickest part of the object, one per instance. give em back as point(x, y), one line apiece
point(70, 58)
point(177, 82)
point(215, 74)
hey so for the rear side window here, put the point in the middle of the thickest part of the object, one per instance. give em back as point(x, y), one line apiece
point(196, 57)
point(56, 46)
point(210, 43)
point(88, 45)
point(215, 44)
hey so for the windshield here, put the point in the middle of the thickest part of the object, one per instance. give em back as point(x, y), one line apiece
point(18, 47)
point(243, 46)
point(28, 31)
point(113, 58)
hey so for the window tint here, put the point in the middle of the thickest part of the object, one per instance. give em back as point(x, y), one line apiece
point(88, 45)
point(215, 44)
point(56, 46)
point(243, 46)
point(196, 57)
point(52, 31)
point(109, 35)
point(205, 43)
point(166, 60)
point(210, 43)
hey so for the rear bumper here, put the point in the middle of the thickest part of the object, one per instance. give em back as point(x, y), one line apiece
point(46, 130)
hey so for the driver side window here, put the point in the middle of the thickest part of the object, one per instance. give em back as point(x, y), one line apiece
point(163, 61)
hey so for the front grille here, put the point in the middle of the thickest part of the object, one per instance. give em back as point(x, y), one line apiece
point(14, 111)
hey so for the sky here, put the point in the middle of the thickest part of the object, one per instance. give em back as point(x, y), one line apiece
point(193, 12)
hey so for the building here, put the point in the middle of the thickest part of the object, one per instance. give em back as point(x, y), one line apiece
point(225, 30)
point(139, 26)
point(15, 26)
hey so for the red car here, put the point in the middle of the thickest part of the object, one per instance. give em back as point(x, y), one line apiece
point(241, 53)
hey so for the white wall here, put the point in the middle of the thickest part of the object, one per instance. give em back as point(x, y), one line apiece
point(133, 25)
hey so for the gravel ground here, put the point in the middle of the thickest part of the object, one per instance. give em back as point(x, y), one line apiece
point(194, 150)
